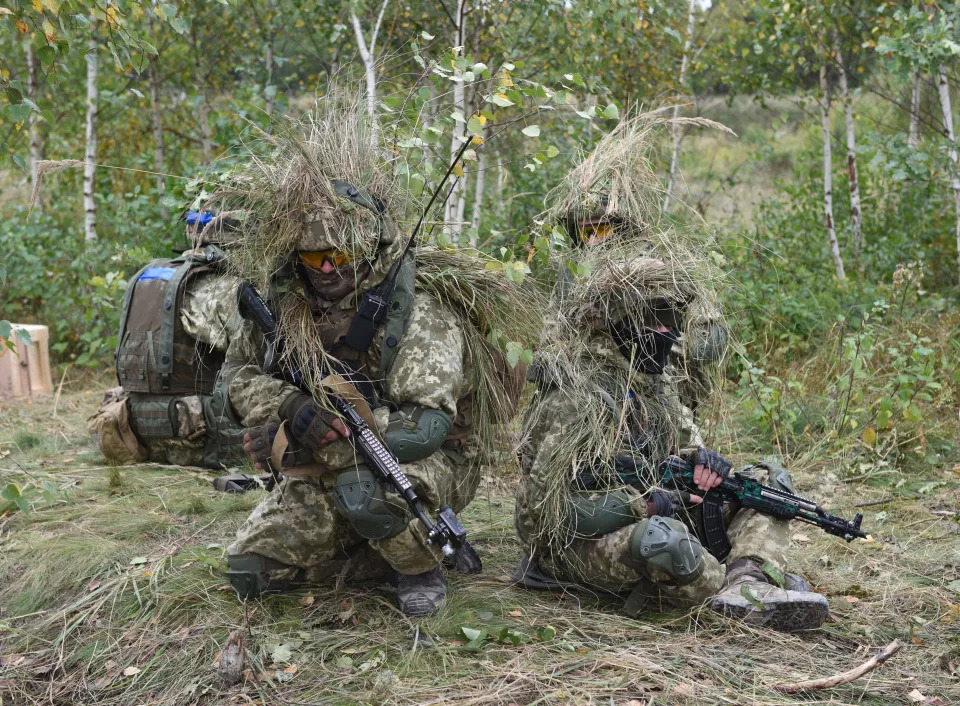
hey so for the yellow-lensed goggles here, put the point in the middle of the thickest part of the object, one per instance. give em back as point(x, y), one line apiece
point(595, 232)
point(315, 258)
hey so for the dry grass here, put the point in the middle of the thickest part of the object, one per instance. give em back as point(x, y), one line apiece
point(115, 595)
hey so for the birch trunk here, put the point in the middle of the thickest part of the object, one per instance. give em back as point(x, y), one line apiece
point(90, 155)
point(368, 54)
point(157, 124)
point(478, 197)
point(913, 141)
point(677, 131)
point(269, 94)
point(456, 204)
point(853, 174)
point(944, 89)
point(36, 147)
point(828, 175)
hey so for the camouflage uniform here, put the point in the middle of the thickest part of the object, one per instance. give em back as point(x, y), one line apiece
point(599, 561)
point(300, 525)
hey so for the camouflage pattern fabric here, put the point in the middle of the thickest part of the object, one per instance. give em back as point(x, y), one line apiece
point(300, 525)
point(554, 417)
point(209, 310)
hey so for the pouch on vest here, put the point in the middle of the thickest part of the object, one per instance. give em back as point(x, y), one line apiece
point(110, 429)
point(224, 445)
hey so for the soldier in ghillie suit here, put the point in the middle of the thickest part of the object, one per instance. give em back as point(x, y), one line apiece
point(321, 238)
point(607, 411)
point(614, 192)
point(178, 317)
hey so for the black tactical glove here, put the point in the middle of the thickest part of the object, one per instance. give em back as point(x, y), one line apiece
point(258, 443)
point(309, 423)
point(667, 503)
point(711, 460)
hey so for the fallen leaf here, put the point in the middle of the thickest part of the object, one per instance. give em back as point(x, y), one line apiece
point(130, 671)
point(515, 613)
point(800, 537)
point(851, 599)
point(292, 669)
point(307, 601)
point(917, 641)
point(138, 560)
point(916, 697)
point(94, 585)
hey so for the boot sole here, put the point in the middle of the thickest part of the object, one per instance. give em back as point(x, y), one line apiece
point(778, 614)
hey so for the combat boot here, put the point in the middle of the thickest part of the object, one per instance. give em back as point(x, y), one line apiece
point(420, 595)
point(792, 609)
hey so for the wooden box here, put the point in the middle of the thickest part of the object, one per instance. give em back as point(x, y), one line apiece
point(26, 372)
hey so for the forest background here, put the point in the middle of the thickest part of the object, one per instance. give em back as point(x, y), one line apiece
point(834, 211)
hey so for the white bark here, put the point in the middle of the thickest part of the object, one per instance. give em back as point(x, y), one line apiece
point(913, 141)
point(677, 131)
point(90, 155)
point(853, 174)
point(828, 175)
point(456, 204)
point(944, 90)
point(478, 197)
point(268, 107)
point(368, 54)
point(33, 123)
point(156, 116)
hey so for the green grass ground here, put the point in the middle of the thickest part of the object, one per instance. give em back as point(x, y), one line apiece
point(112, 592)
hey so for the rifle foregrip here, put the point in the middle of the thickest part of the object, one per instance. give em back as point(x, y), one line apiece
point(253, 308)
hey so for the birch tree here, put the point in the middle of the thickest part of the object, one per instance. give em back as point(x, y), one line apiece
point(478, 197)
point(913, 140)
point(856, 217)
point(677, 131)
point(90, 154)
point(824, 101)
point(457, 202)
point(156, 121)
point(368, 55)
point(33, 123)
point(943, 86)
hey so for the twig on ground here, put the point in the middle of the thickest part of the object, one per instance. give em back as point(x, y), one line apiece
point(876, 502)
point(846, 677)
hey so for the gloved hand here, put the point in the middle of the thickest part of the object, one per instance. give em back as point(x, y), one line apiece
point(258, 444)
point(709, 468)
point(309, 423)
point(668, 503)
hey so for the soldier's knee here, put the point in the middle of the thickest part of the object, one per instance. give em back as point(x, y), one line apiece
point(361, 499)
point(253, 574)
point(662, 545)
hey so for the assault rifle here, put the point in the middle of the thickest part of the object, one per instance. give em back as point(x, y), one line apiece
point(446, 532)
point(740, 487)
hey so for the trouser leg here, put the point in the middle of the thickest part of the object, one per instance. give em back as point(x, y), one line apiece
point(759, 537)
point(604, 562)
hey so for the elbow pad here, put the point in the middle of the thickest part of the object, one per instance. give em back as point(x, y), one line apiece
point(416, 432)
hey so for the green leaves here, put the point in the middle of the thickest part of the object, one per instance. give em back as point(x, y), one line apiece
point(531, 131)
point(12, 494)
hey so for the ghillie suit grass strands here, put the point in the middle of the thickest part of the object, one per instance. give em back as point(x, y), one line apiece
point(290, 204)
point(485, 301)
point(618, 179)
point(581, 361)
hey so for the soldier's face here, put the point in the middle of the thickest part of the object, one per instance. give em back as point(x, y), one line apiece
point(333, 283)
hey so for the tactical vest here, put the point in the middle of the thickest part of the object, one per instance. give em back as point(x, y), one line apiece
point(159, 364)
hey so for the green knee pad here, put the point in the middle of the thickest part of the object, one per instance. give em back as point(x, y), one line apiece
point(361, 499)
point(416, 432)
point(666, 544)
point(249, 574)
point(597, 514)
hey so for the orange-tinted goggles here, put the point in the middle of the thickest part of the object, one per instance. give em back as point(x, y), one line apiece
point(595, 232)
point(315, 258)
